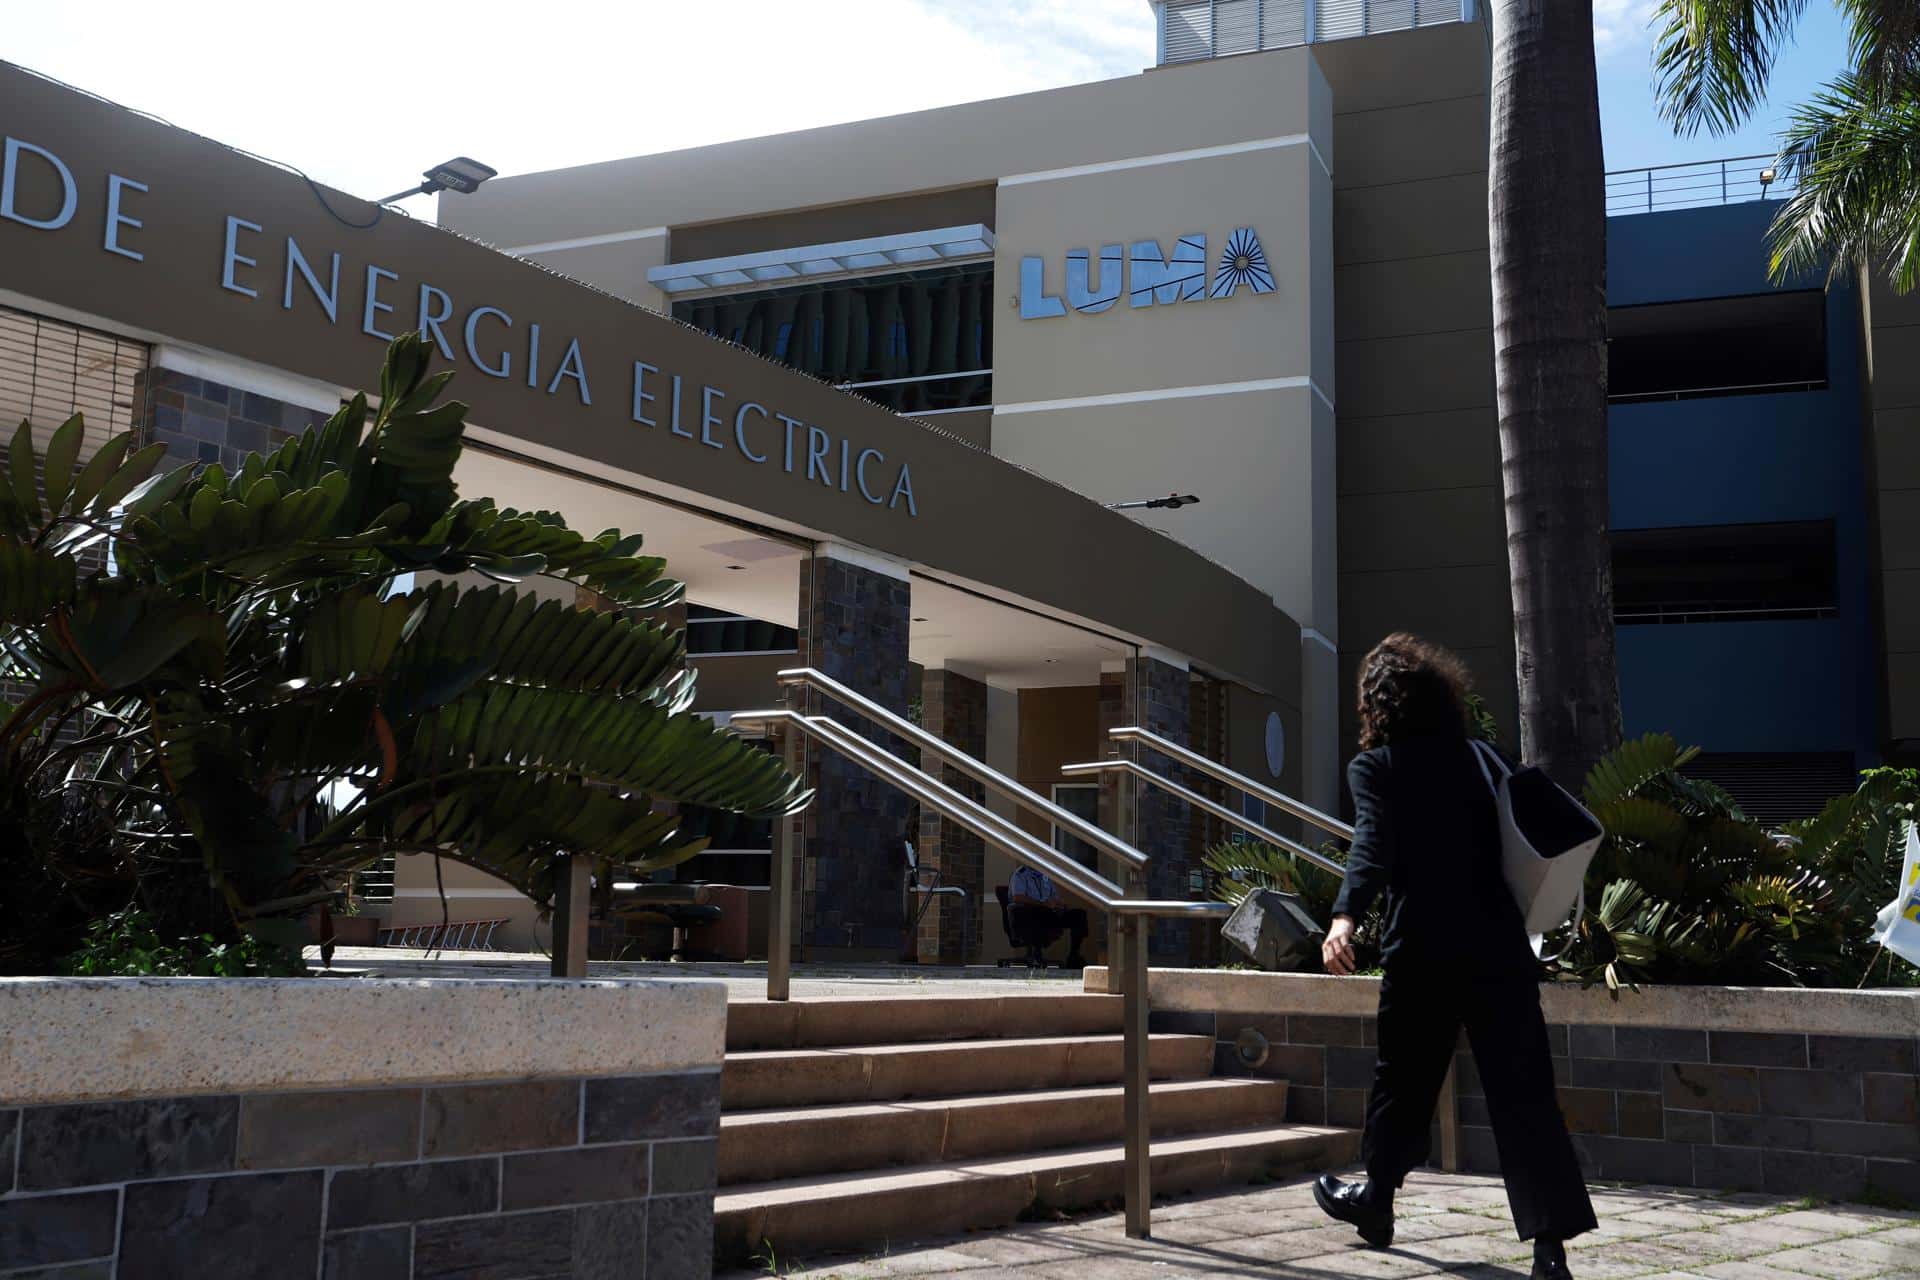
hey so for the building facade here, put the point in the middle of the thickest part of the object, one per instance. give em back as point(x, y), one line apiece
point(874, 389)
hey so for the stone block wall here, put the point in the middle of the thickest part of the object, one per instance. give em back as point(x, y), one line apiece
point(1787, 1092)
point(854, 623)
point(954, 709)
point(582, 1177)
point(1783, 1112)
point(203, 421)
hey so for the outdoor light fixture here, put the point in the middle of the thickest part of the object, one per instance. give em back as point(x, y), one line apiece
point(1171, 502)
point(1766, 180)
point(462, 173)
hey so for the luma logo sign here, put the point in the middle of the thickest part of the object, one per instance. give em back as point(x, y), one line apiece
point(1146, 274)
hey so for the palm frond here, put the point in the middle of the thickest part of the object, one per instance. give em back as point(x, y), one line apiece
point(1856, 160)
point(1712, 59)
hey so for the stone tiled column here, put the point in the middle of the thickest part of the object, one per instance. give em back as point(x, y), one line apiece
point(954, 709)
point(1152, 692)
point(854, 611)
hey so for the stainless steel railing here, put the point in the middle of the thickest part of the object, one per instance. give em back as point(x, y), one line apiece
point(1129, 916)
point(1220, 773)
point(987, 776)
point(1206, 805)
point(1693, 183)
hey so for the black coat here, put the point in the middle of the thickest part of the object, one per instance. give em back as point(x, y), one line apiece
point(1426, 836)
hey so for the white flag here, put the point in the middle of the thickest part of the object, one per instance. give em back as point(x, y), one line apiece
point(1898, 925)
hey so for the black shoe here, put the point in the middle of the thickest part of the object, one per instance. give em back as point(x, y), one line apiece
point(1550, 1269)
point(1347, 1201)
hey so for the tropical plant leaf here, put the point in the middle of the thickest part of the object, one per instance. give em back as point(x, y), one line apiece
point(1632, 765)
point(63, 449)
point(34, 581)
point(21, 461)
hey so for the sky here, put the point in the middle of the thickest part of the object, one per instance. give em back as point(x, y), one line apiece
point(364, 95)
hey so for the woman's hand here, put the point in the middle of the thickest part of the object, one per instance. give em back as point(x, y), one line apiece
point(1336, 953)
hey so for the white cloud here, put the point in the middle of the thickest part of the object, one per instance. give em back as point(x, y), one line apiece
point(1620, 25)
point(363, 93)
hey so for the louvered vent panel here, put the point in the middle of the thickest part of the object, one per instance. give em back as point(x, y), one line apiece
point(1777, 789)
point(50, 370)
point(1283, 23)
point(1195, 29)
point(1236, 27)
point(1188, 31)
point(1338, 19)
point(1389, 15)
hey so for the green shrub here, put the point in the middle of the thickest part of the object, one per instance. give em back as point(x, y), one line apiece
point(1688, 889)
point(291, 672)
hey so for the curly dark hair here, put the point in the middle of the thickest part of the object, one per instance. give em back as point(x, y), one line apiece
point(1410, 687)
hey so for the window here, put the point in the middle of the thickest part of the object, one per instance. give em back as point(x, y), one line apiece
point(915, 341)
point(713, 631)
point(1082, 799)
point(1768, 342)
point(1724, 573)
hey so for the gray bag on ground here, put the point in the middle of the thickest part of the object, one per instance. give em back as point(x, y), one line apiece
point(1273, 929)
point(1547, 840)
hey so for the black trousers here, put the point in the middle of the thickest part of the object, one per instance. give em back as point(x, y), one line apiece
point(1041, 925)
point(1420, 1022)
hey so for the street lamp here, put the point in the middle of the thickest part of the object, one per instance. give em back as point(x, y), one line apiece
point(462, 173)
point(1171, 502)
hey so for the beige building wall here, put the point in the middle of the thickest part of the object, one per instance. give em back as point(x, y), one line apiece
point(1225, 398)
point(1341, 431)
point(1893, 324)
point(1422, 531)
point(618, 265)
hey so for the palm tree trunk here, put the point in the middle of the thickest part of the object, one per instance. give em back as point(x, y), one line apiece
point(1547, 211)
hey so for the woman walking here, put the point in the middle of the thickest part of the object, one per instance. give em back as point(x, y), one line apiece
point(1426, 843)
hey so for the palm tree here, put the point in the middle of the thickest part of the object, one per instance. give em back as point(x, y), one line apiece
point(1547, 216)
point(1854, 148)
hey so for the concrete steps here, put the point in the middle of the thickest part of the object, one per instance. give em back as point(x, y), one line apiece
point(855, 1124)
point(763, 1146)
point(885, 1072)
point(819, 1024)
point(869, 1213)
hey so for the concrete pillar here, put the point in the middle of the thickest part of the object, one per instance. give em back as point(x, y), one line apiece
point(954, 709)
point(854, 611)
point(1321, 765)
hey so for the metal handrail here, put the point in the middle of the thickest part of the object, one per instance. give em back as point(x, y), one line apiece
point(1207, 805)
point(1083, 884)
point(1130, 917)
point(1220, 773)
point(978, 770)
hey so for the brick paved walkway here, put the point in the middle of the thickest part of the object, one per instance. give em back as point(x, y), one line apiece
point(1450, 1225)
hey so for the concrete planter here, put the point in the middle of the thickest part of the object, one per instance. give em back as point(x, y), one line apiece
point(260, 1127)
point(1784, 1090)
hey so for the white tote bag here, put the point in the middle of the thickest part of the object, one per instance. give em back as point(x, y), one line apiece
point(1547, 841)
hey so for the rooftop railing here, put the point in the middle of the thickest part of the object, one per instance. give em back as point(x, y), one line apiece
point(1694, 184)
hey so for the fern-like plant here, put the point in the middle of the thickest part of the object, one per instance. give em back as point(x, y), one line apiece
point(291, 671)
point(1692, 890)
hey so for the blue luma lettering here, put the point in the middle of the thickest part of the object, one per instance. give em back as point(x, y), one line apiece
point(1152, 275)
